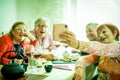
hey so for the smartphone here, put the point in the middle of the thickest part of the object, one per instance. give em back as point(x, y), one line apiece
point(57, 30)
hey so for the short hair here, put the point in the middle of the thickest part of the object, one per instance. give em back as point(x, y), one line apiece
point(112, 27)
point(42, 19)
point(94, 25)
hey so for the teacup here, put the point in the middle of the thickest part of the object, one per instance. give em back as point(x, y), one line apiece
point(48, 68)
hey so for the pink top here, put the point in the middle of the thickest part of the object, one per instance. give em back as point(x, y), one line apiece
point(99, 49)
point(111, 50)
point(108, 56)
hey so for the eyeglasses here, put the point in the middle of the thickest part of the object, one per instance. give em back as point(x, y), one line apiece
point(20, 29)
point(41, 26)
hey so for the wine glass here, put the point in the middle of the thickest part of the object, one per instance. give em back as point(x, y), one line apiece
point(36, 55)
point(57, 45)
point(28, 50)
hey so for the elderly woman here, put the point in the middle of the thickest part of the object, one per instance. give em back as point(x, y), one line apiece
point(108, 53)
point(13, 41)
point(91, 31)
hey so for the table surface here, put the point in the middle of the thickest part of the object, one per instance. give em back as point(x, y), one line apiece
point(55, 74)
point(41, 74)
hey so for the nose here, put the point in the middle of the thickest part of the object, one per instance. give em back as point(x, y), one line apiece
point(43, 28)
point(87, 33)
point(100, 34)
point(22, 31)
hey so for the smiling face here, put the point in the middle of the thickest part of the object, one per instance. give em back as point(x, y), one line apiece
point(40, 28)
point(18, 33)
point(105, 35)
point(91, 32)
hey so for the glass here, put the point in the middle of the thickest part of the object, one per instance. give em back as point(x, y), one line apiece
point(20, 29)
point(41, 26)
point(36, 55)
point(57, 45)
point(37, 52)
point(28, 50)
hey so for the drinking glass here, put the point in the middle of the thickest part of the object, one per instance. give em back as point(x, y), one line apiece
point(29, 50)
point(36, 55)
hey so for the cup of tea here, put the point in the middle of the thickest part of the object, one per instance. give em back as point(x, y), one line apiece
point(48, 68)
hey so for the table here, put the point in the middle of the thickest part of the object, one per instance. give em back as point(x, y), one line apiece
point(55, 74)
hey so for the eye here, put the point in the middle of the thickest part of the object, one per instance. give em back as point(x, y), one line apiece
point(25, 29)
point(104, 32)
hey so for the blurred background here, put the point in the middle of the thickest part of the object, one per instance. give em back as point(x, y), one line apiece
point(75, 13)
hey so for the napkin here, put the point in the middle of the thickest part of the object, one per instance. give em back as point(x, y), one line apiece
point(64, 67)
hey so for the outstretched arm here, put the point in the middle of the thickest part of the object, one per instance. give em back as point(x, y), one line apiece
point(112, 49)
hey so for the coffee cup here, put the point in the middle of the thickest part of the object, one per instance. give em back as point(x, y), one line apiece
point(48, 68)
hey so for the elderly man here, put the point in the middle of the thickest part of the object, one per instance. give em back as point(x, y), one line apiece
point(44, 39)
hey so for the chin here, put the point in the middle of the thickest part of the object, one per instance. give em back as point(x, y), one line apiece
point(43, 35)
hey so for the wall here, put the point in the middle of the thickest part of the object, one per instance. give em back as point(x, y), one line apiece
point(75, 13)
point(7, 14)
point(30, 11)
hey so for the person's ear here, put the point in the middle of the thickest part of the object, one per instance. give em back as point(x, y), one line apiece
point(115, 32)
point(11, 33)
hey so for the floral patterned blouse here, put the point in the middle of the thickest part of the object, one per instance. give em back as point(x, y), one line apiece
point(108, 56)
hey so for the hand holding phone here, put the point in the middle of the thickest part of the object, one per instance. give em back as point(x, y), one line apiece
point(57, 30)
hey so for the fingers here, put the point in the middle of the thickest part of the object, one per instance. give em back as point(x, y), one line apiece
point(68, 36)
point(69, 33)
point(48, 56)
point(77, 77)
point(26, 34)
point(79, 74)
point(66, 42)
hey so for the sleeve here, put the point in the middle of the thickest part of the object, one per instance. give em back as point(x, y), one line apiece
point(50, 39)
point(33, 43)
point(86, 60)
point(4, 46)
point(110, 50)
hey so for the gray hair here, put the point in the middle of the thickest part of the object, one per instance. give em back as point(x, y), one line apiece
point(95, 25)
point(42, 19)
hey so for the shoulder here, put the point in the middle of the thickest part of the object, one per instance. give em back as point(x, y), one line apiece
point(48, 34)
point(5, 37)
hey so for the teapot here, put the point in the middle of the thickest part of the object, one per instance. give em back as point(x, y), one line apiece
point(13, 70)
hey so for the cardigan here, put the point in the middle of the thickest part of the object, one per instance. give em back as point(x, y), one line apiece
point(110, 63)
point(6, 44)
